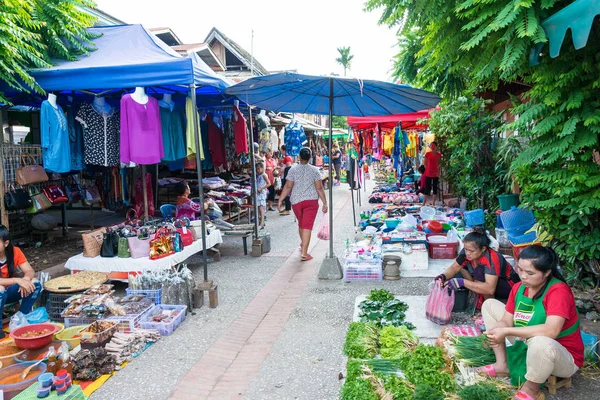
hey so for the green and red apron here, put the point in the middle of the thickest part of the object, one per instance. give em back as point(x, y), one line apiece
point(529, 312)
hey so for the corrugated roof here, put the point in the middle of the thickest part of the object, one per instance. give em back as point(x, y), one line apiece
point(237, 50)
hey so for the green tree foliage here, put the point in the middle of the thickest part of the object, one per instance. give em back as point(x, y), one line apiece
point(345, 58)
point(468, 46)
point(33, 32)
point(339, 122)
point(466, 133)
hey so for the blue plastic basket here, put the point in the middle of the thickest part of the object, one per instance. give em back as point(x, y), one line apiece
point(474, 218)
point(153, 294)
point(525, 238)
point(517, 221)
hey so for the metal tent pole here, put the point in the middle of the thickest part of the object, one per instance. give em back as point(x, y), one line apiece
point(329, 151)
point(200, 188)
point(353, 207)
point(253, 162)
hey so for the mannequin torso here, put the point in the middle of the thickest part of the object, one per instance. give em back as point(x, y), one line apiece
point(167, 101)
point(139, 95)
point(101, 106)
point(52, 100)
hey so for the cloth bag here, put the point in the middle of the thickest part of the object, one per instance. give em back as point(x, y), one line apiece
point(92, 242)
point(123, 248)
point(91, 196)
point(439, 304)
point(323, 232)
point(29, 172)
point(17, 199)
point(139, 246)
point(40, 203)
point(56, 194)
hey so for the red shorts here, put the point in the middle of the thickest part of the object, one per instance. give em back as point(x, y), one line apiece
point(306, 212)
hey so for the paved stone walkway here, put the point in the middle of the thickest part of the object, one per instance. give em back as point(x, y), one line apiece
point(227, 368)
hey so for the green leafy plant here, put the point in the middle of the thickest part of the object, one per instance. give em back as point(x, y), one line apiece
point(427, 392)
point(381, 295)
point(345, 58)
point(33, 32)
point(353, 369)
point(395, 341)
point(361, 340)
point(425, 365)
point(398, 387)
point(484, 391)
point(474, 351)
point(358, 389)
point(384, 313)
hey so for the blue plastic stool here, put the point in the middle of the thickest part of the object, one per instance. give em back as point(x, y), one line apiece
point(168, 211)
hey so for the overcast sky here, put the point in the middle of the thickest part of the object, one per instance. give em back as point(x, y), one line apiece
point(288, 34)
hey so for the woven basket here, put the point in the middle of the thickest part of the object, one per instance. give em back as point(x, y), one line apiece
point(92, 242)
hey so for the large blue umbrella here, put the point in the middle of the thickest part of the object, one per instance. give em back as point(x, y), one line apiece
point(291, 92)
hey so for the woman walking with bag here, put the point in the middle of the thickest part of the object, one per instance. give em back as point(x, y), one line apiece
point(304, 183)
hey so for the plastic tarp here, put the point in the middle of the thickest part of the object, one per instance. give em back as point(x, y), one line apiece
point(129, 56)
point(409, 121)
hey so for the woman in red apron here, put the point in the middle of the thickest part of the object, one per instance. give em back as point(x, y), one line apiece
point(484, 271)
point(541, 322)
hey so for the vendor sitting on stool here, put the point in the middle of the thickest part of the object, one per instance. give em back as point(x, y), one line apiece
point(186, 208)
point(540, 320)
point(484, 270)
point(13, 289)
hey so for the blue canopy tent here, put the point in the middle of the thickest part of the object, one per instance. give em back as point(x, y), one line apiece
point(293, 92)
point(129, 56)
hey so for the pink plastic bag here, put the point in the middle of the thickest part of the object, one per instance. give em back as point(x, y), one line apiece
point(323, 232)
point(439, 304)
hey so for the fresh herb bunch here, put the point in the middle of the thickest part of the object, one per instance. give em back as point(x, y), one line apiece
point(474, 351)
point(381, 295)
point(427, 392)
point(362, 340)
point(384, 313)
point(358, 389)
point(385, 367)
point(396, 341)
point(483, 391)
point(353, 369)
point(397, 387)
point(425, 366)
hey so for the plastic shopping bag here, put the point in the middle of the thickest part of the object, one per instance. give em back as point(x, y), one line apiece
point(439, 304)
point(38, 316)
point(323, 232)
point(16, 321)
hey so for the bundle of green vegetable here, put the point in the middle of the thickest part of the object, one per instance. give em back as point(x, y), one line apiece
point(398, 388)
point(474, 351)
point(396, 341)
point(484, 391)
point(385, 367)
point(381, 295)
point(358, 389)
point(427, 392)
point(362, 340)
point(425, 365)
point(390, 312)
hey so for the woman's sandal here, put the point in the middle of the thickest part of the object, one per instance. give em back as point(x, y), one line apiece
point(521, 395)
point(307, 258)
point(489, 370)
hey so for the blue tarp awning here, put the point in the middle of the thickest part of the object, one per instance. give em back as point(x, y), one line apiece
point(128, 56)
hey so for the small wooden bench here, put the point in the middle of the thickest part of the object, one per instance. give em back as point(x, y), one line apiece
point(244, 234)
point(555, 383)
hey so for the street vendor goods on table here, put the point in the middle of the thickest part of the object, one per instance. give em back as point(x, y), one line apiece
point(75, 283)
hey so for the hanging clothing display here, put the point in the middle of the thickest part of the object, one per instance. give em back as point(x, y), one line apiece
point(240, 131)
point(100, 135)
point(141, 132)
point(75, 139)
point(229, 138)
point(172, 121)
point(388, 143)
point(54, 131)
point(215, 142)
point(207, 164)
point(274, 140)
point(139, 196)
point(294, 137)
point(190, 108)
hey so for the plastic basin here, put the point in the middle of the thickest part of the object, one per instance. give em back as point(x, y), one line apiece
point(437, 239)
point(435, 227)
point(71, 335)
point(33, 342)
point(12, 389)
point(392, 223)
point(427, 213)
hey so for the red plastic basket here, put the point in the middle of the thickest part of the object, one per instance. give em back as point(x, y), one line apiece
point(517, 248)
point(442, 250)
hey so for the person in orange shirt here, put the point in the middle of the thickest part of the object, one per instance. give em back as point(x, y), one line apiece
point(13, 289)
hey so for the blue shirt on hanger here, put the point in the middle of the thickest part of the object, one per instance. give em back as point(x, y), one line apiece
point(56, 148)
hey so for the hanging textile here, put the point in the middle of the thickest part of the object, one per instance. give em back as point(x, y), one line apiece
point(207, 164)
point(388, 143)
point(190, 140)
point(274, 140)
point(229, 131)
point(172, 122)
point(139, 197)
point(100, 135)
point(240, 130)
point(141, 132)
point(367, 142)
point(215, 142)
point(75, 139)
point(294, 137)
point(56, 148)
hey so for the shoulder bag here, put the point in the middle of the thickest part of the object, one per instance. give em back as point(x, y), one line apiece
point(183, 228)
point(92, 242)
point(162, 244)
point(110, 244)
point(91, 195)
point(29, 172)
point(17, 199)
point(139, 246)
point(56, 194)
